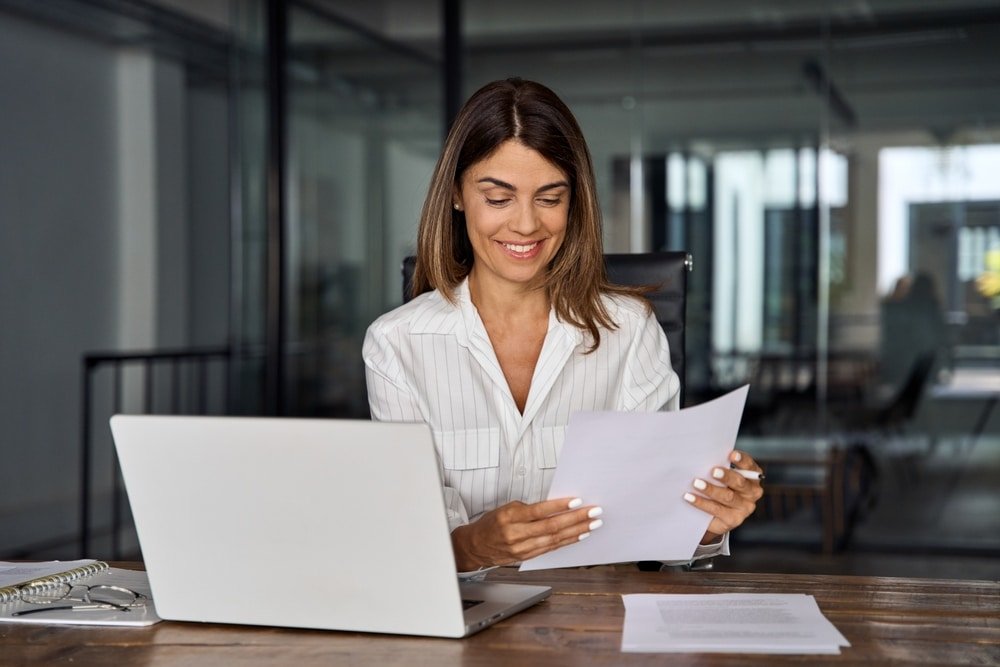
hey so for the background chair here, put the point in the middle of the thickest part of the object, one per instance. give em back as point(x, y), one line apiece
point(667, 272)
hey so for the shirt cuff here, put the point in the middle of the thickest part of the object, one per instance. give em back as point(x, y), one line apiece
point(718, 548)
point(476, 575)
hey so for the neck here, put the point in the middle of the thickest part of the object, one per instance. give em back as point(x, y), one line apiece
point(506, 300)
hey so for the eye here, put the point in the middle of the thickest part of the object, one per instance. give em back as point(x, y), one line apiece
point(549, 201)
point(497, 202)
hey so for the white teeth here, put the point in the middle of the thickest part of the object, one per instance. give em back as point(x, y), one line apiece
point(520, 248)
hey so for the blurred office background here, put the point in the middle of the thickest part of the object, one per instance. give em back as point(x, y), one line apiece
point(204, 203)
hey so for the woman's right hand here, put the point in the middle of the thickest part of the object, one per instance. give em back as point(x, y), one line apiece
point(516, 532)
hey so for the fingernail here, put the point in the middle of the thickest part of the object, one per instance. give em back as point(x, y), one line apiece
point(576, 502)
point(689, 497)
point(594, 525)
point(718, 473)
point(700, 484)
point(583, 536)
point(736, 456)
point(595, 512)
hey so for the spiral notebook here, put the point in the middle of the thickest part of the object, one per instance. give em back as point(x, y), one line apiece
point(85, 577)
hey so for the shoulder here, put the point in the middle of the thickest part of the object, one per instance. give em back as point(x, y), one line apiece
point(628, 312)
point(428, 313)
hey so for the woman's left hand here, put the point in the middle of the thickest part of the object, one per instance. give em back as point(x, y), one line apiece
point(731, 503)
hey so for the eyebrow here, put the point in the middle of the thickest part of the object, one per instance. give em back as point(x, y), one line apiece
point(508, 186)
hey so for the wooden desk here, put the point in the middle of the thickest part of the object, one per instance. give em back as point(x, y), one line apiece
point(972, 384)
point(933, 622)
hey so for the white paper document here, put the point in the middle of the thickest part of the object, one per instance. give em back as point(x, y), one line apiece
point(728, 623)
point(637, 466)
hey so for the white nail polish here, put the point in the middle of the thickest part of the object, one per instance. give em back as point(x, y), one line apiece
point(689, 497)
point(718, 473)
point(594, 525)
point(583, 536)
point(736, 457)
point(595, 512)
point(700, 484)
point(576, 502)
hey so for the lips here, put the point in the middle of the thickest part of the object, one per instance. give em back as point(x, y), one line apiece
point(521, 250)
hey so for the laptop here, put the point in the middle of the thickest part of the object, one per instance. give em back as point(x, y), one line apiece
point(307, 523)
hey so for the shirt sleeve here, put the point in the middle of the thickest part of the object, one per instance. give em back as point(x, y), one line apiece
point(391, 399)
point(649, 382)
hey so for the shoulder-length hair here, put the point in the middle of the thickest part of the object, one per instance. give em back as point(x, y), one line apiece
point(535, 116)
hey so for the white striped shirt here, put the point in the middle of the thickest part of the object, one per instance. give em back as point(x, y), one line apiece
point(432, 361)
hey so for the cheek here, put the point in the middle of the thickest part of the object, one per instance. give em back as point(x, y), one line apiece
point(483, 221)
point(478, 226)
point(557, 221)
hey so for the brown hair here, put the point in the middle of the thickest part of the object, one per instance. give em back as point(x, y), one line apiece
point(535, 116)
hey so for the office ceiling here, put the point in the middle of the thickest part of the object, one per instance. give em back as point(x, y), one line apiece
point(693, 67)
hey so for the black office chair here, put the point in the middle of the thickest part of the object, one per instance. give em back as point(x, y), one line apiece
point(667, 271)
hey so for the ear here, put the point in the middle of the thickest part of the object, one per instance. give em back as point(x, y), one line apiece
point(456, 199)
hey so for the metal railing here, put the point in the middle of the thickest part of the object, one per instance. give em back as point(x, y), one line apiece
point(163, 381)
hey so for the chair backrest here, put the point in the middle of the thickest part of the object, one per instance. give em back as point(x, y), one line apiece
point(904, 405)
point(666, 271)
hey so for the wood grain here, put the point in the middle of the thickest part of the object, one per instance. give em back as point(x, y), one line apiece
point(916, 621)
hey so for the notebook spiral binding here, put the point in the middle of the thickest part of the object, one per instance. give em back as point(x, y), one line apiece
point(44, 584)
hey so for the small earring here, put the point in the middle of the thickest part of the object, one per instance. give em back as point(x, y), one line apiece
point(457, 207)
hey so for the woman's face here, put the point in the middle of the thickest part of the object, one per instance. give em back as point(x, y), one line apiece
point(516, 207)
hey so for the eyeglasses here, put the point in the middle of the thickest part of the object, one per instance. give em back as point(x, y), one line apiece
point(97, 596)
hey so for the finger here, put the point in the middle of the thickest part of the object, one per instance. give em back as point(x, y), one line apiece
point(741, 498)
point(521, 512)
point(724, 518)
point(744, 461)
point(569, 535)
point(721, 494)
point(546, 508)
point(557, 524)
point(730, 509)
point(515, 525)
point(518, 512)
point(732, 479)
point(748, 488)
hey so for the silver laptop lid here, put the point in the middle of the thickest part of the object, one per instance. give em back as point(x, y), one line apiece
point(331, 524)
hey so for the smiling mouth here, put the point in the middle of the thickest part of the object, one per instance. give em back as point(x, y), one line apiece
point(520, 248)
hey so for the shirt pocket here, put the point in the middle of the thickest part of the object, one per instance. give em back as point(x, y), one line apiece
point(548, 444)
point(469, 449)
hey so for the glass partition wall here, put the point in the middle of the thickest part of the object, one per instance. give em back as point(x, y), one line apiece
point(816, 160)
point(364, 118)
point(361, 112)
point(114, 248)
point(832, 170)
point(831, 167)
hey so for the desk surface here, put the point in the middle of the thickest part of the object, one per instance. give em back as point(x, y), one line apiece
point(969, 383)
point(934, 622)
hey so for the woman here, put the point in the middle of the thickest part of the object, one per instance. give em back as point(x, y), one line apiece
point(516, 326)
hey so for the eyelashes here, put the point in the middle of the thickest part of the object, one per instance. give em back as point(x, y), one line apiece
point(546, 201)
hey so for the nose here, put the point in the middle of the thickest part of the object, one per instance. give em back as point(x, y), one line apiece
point(524, 220)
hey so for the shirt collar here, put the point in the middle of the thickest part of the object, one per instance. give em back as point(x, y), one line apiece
point(462, 317)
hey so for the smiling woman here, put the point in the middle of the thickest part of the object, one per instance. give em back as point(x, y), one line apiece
point(516, 206)
point(514, 325)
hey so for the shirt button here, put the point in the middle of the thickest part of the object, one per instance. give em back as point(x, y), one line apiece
point(522, 471)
